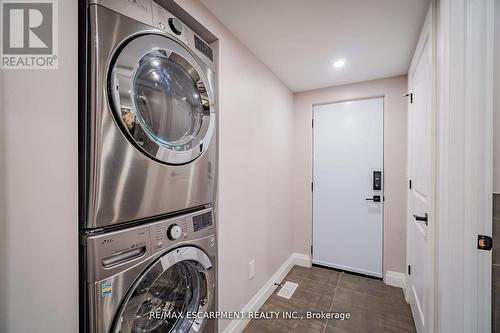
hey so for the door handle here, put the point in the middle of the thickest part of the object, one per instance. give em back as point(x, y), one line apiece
point(375, 198)
point(424, 218)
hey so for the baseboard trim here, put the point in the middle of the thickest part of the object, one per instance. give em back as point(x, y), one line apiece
point(395, 279)
point(299, 259)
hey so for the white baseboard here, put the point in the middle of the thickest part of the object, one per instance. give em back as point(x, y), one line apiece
point(395, 279)
point(299, 259)
point(303, 260)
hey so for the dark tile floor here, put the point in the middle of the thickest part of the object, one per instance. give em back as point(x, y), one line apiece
point(373, 306)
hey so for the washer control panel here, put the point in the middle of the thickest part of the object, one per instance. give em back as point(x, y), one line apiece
point(110, 253)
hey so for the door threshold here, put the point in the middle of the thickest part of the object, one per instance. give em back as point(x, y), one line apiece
point(348, 272)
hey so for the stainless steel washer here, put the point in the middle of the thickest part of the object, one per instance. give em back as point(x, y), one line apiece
point(159, 277)
point(148, 116)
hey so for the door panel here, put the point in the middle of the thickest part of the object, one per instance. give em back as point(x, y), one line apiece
point(420, 195)
point(348, 148)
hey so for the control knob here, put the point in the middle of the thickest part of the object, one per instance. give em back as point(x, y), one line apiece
point(174, 232)
point(175, 25)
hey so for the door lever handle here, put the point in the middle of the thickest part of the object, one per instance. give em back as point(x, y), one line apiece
point(375, 198)
point(424, 218)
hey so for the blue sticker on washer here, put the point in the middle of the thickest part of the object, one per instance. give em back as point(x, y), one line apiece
point(106, 288)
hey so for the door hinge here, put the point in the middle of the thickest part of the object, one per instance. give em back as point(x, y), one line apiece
point(312, 186)
point(410, 184)
point(409, 270)
point(311, 249)
point(411, 97)
point(484, 242)
point(312, 123)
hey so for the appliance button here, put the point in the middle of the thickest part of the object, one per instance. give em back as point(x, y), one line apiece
point(174, 232)
point(175, 25)
point(162, 25)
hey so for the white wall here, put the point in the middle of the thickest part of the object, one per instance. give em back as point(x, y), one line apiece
point(256, 129)
point(395, 147)
point(39, 247)
point(496, 105)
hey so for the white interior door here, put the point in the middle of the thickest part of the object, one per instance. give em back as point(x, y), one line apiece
point(348, 148)
point(420, 256)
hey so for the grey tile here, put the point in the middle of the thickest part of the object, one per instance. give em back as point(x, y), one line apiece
point(496, 241)
point(369, 322)
point(495, 325)
point(322, 286)
point(284, 325)
point(315, 273)
point(495, 290)
point(496, 205)
point(303, 300)
point(374, 306)
point(374, 287)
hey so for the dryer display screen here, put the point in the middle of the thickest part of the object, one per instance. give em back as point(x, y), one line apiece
point(202, 221)
point(203, 48)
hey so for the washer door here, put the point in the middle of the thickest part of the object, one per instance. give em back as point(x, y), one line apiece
point(166, 295)
point(162, 97)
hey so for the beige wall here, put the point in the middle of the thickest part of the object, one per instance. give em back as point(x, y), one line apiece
point(256, 128)
point(38, 256)
point(395, 147)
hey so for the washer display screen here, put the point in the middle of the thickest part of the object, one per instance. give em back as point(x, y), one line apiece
point(202, 221)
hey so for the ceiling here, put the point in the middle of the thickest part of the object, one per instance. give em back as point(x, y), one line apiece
point(299, 40)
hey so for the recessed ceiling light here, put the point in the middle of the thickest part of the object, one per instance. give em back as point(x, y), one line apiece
point(339, 63)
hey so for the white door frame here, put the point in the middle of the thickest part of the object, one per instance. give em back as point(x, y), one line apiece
point(465, 164)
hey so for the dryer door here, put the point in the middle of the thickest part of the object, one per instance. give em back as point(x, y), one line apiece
point(162, 98)
point(168, 293)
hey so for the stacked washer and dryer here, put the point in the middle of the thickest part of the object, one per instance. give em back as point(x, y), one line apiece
point(147, 171)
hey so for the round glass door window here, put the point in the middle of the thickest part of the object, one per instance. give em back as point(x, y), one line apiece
point(162, 97)
point(163, 299)
point(167, 102)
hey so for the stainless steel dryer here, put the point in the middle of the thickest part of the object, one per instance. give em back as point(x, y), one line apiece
point(148, 119)
point(159, 277)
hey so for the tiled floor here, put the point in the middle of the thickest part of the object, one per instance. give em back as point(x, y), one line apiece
point(373, 306)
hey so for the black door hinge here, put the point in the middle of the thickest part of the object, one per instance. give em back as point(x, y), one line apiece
point(311, 249)
point(312, 123)
point(409, 95)
point(484, 242)
point(410, 184)
point(409, 270)
point(312, 186)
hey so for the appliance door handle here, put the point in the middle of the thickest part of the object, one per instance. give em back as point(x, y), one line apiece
point(375, 198)
point(424, 218)
point(123, 257)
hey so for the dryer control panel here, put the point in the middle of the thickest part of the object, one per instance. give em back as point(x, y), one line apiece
point(167, 22)
point(192, 226)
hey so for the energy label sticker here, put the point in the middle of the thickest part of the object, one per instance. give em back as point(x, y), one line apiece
point(106, 288)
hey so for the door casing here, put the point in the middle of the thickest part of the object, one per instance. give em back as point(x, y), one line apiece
point(465, 163)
